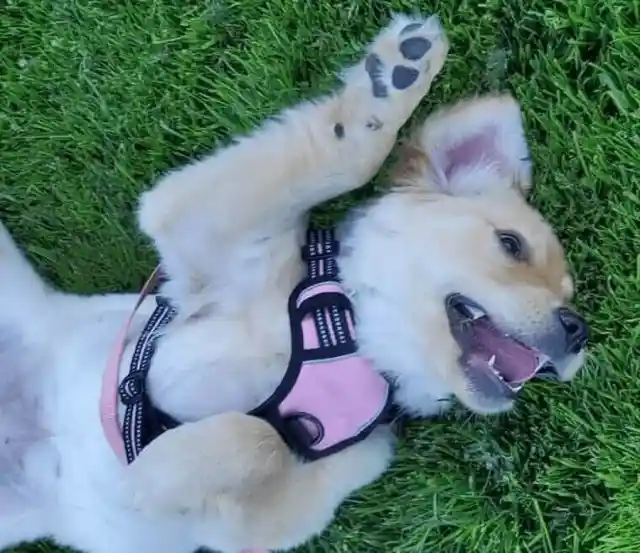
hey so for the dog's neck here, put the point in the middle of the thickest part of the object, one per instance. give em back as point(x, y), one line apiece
point(388, 334)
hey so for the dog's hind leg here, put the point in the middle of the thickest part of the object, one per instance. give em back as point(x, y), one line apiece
point(20, 520)
point(23, 294)
point(261, 185)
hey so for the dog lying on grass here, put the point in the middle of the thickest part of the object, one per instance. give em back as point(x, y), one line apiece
point(239, 408)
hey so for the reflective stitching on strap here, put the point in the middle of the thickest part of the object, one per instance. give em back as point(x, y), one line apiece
point(320, 252)
point(337, 325)
point(132, 390)
point(322, 328)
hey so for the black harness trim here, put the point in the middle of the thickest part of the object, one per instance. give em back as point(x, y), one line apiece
point(142, 422)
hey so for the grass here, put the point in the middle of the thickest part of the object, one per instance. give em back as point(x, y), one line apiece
point(100, 96)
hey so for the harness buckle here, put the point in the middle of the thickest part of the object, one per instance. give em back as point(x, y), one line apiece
point(132, 388)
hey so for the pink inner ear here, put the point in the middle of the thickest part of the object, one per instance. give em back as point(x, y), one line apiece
point(470, 151)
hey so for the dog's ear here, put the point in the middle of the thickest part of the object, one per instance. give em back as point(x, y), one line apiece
point(475, 147)
point(198, 467)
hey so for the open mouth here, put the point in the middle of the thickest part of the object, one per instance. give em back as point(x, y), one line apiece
point(490, 352)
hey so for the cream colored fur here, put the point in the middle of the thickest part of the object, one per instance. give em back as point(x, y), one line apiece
point(228, 229)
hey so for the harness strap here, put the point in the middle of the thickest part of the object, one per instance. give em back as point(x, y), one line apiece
point(110, 389)
point(141, 423)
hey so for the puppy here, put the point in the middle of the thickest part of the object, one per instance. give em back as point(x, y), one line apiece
point(458, 290)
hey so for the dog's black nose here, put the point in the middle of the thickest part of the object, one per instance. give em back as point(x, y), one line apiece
point(576, 328)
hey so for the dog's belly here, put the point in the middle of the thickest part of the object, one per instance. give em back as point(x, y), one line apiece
point(20, 410)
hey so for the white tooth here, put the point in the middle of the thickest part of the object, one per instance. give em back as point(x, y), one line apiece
point(491, 363)
point(542, 360)
point(475, 312)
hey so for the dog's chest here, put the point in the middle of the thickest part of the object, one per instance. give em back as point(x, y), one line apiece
point(222, 363)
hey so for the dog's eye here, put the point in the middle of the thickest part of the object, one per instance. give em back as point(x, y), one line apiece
point(513, 245)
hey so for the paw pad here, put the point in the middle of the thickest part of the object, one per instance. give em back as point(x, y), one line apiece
point(410, 28)
point(415, 47)
point(408, 52)
point(373, 65)
point(403, 77)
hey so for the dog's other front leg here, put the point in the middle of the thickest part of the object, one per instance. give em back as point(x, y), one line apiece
point(262, 184)
point(242, 488)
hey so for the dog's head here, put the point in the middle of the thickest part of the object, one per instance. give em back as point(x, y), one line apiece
point(471, 284)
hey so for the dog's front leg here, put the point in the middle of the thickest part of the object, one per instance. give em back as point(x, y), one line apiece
point(240, 486)
point(317, 150)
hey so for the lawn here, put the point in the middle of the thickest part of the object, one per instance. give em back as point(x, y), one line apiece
point(100, 96)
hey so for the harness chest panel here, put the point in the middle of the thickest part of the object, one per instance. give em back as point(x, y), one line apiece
point(331, 397)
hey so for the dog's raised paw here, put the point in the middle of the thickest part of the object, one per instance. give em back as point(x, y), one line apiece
point(397, 70)
point(408, 52)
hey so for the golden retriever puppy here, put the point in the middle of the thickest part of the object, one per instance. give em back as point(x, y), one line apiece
point(239, 404)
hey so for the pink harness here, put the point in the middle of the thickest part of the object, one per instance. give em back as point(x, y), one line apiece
point(330, 397)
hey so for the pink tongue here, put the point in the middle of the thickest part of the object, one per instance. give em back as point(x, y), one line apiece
point(513, 361)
